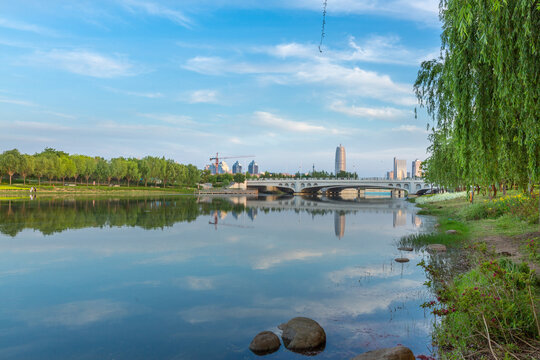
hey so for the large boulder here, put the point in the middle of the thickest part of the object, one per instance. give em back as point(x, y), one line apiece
point(265, 342)
point(393, 353)
point(303, 335)
point(436, 248)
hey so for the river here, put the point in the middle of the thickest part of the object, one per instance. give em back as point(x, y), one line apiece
point(182, 277)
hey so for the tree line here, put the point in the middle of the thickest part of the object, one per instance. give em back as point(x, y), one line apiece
point(53, 164)
point(483, 94)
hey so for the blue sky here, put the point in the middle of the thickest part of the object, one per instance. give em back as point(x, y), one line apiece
point(188, 78)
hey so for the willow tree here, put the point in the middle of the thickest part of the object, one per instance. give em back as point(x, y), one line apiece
point(483, 92)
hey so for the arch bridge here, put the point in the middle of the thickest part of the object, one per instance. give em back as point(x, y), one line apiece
point(314, 185)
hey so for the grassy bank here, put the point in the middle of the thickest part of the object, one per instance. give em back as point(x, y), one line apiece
point(488, 309)
point(10, 190)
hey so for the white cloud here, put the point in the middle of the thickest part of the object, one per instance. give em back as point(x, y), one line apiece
point(154, 9)
point(425, 11)
point(410, 128)
point(383, 113)
point(22, 26)
point(149, 95)
point(169, 118)
point(290, 50)
point(203, 96)
point(86, 63)
point(271, 120)
point(17, 102)
point(384, 50)
point(353, 80)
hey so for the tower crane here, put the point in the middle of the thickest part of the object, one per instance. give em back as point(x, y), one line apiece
point(217, 158)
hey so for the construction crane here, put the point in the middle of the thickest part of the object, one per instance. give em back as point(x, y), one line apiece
point(217, 158)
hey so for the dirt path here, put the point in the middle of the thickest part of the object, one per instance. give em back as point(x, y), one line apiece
point(513, 247)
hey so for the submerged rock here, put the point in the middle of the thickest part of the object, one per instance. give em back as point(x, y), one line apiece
point(405, 248)
point(394, 353)
point(303, 335)
point(265, 342)
point(436, 247)
point(401, 260)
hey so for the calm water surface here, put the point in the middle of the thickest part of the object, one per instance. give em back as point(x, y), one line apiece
point(197, 278)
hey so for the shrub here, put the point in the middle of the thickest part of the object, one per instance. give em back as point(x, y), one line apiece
point(521, 206)
point(495, 300)
point(440, 197)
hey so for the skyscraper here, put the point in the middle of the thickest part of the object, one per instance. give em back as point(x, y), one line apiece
point(400, 169)
point(237, 168)
point(340, 159)
point(253, 168)
point(416, 171)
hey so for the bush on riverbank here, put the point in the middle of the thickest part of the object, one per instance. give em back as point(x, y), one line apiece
point(521, 206)
point(492, 308)
point(440, 197)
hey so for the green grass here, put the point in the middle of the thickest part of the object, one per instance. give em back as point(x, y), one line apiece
point(494, 299)
point(496, 290)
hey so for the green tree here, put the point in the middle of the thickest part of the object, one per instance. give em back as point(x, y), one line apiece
point(103, 170)
point(10, 162)
point(27, 166)
point(90, 165)
point(239, 178)
point(118, 168)
point(80, 164)
point(67, 168)
point(483, 94)
point(40, 166)
point(132, 170)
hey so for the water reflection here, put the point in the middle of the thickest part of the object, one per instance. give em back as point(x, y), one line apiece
point(54, 215)
point(152, 278)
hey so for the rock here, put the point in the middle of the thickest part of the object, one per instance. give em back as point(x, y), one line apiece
point(405, 248)
point(393, 353)
point(437, 225)
point(436, 247)
point(265, 342)
point(401, 260)
point(303, 335)
point(451, 232)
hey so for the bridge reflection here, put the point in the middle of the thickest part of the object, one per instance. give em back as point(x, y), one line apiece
point(340, 208)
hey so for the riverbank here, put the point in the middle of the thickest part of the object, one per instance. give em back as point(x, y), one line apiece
point(19, 189)
point(488, 291)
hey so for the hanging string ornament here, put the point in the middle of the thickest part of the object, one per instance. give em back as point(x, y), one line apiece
point(323, 24)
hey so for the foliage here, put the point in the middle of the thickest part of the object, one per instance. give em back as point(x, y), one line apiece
point(53, 164)
point(439, 197)
point(521, 206)
point(483, 94)
point(495, 300)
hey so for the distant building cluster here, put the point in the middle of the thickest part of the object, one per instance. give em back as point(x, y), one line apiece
point(223, 168)
point(400, 170)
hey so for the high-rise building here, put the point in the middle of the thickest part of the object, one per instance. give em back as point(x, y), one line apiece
point(237, 168)
point(400, 169)
point(253, 168)
point(390, 175)
point(223, 168)
point(340, 159)
point(416, 168)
